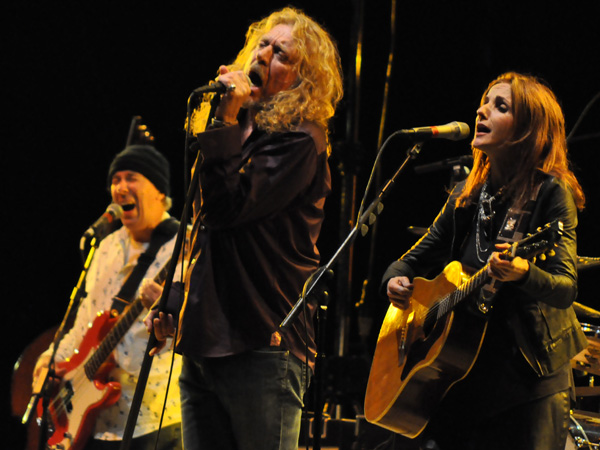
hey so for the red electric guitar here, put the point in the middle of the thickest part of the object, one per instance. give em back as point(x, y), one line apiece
point(424, 350)
point(84, 391)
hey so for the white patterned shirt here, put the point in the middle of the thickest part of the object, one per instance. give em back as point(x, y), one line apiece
point(114, 260)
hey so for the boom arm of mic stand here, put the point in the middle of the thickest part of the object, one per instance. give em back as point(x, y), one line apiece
point(370, 215)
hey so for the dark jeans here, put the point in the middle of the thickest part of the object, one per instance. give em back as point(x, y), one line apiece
point(248, 401)
point(170, 439)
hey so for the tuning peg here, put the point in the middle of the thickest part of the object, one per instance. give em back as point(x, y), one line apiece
point(533, 260)
point(551, 253)
point(543, 257)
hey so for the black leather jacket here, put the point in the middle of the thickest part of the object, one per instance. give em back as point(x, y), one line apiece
point(543, 321)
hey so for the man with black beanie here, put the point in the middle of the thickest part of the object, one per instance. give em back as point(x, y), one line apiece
point(138, 180)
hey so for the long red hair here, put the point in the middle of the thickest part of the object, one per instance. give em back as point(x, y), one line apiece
point(538, 143)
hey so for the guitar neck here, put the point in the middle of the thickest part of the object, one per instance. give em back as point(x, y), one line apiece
point(450, 301)
point(113, 337)
point(532, 245)
point(117, 332)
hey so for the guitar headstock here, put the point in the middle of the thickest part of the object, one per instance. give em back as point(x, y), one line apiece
point(139, 134)
point(540, 243)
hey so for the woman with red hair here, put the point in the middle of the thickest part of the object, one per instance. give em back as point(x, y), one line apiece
point(516, 395)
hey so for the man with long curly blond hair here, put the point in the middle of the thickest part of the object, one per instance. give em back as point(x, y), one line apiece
point(263, 181)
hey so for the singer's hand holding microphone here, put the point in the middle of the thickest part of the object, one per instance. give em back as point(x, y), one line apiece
point(237, 92)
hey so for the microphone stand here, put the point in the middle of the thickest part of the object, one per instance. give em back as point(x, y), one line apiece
point(448, 163)
point(44, 391)
point(459, 165)
point(369, 216)
point(138, 395)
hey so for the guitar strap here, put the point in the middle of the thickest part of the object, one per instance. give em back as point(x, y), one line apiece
point(161, 234)
point(514, 228)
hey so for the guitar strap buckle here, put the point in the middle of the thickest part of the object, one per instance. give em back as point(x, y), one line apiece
point(486, 296)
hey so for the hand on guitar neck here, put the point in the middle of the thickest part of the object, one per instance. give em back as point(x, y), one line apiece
point(504, 267)
point(163, 325)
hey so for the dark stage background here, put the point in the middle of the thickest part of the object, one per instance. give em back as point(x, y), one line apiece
point(77, 72)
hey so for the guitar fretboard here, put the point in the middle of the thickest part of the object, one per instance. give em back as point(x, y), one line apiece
point(117, 332)
point(533, 245)
point(450, 301)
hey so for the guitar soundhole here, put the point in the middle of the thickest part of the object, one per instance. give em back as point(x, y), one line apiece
point(428, 325)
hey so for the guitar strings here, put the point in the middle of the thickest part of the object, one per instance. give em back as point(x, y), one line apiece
point(85, 377)
point(449, 301)
point(65, 396)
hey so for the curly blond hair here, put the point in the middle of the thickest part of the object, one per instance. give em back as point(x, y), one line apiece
point(315, 95)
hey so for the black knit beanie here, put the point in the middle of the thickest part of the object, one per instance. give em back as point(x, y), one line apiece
point(144, 159)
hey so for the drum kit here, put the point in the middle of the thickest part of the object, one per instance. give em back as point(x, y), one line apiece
point(584, 427)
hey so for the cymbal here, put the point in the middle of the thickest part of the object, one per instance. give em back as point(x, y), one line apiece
point(419, 231)
point(585, 312)
point(586, 391)
point(588, 360)
point(586, 262)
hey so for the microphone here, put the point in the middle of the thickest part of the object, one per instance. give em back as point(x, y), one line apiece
point(444, 164)
point(106, 224)
point(455, 131)
point(214, 86)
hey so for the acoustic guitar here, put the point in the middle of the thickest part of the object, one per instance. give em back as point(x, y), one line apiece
point(424, 350)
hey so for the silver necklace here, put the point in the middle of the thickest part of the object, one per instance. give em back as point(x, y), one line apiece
point(485, 216)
